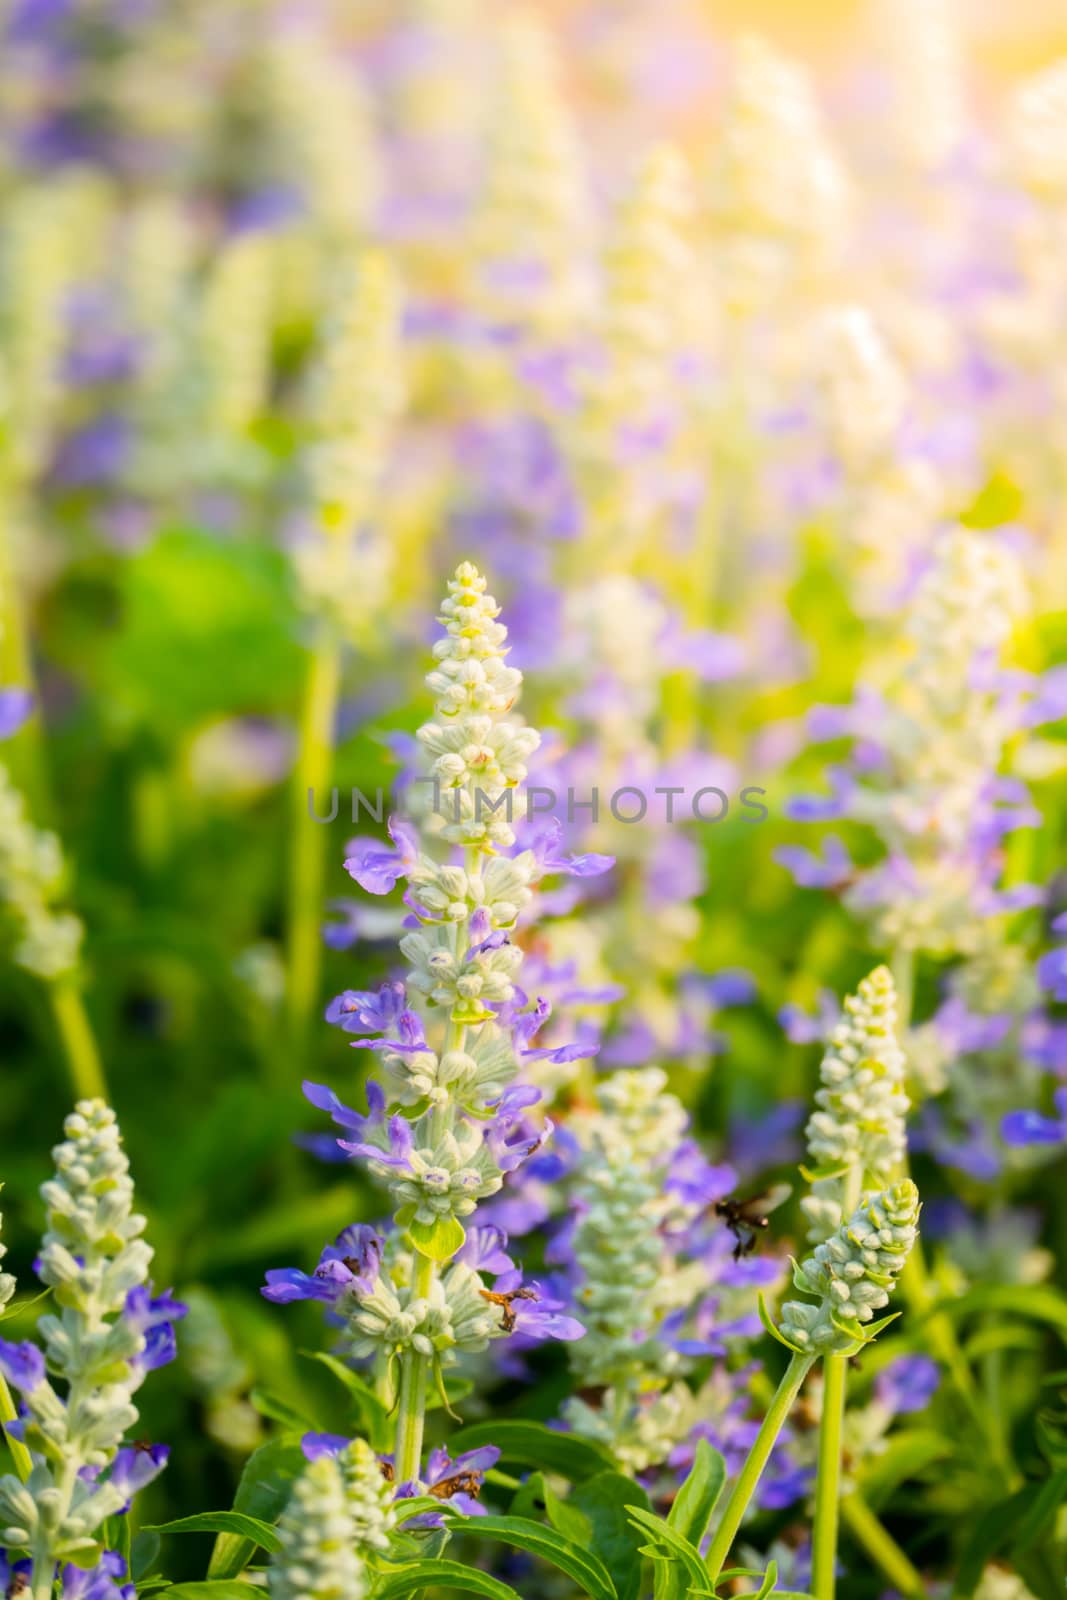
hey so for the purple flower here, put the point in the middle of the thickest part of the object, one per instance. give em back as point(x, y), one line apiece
point(377, 868)
point(154, 1320)
point(15, 707)
point(1052, 971)
point(542, 1317)
point(316, 1445)
point(485, 1250)
point(732, 986)
point(14, 1575)
point(908, 1383)
point(353, 1261)
point(360, 1011)
point(694, 1179)
point(510, 1141)
point(22, 1365)
point(800, 1027)
point(821, 808)
point(811, 871)
point(96, 1583)
point(135, 1466)
point(1030, 1127)
point(386, 1140)
point(457, 1483)
point(546, 851)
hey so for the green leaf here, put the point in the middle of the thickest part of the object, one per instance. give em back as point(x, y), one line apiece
point(205, 631)
point(265, 1486)
point(906, 1453)
point(699, 1494)
point(272, 1405)
point(769, 1581)
point(211, 1589)
point(687, 1572)
point(1014, 1524)
point(606, 1501)
point(572, 1523)
point(417, 1506)
point(238, 1522)
point(691, 1513)
point(531, 1444)
point(774, 1331)
point(373, 1412)
point(1038, 1302)
point(587, 1570)
point(442, 1575)
point(439, 1239)
point(144, 1548)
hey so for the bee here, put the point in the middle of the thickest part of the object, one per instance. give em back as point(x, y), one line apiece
point(746, 1218)
point(145, 1446)
point(460, 1483)
point(19, 1585)
point(507, 1322)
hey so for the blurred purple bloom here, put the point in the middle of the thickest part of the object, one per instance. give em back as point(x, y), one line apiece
point(908, 1384)
point(15, 707)
point(22, 1365)
point(316, 1445)
point(1030, 1127)
point(96, 1583)
point(1052, 972)
point(810, 871)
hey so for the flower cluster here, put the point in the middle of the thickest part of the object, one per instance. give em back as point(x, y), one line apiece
point(851, 1273)
point(110, 1330)
point(461, 1122)
point(857, 1134)
point(338, 1515)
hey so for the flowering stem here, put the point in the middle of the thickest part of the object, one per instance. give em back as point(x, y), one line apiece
point(414, 1385)
point(881, 1547)
point(828, 1481)
point(79, 1043)
point(307, 861)
point(831, 1426)
point(749, 1476)
point(20, 1456)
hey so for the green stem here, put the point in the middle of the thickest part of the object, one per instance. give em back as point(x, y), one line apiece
point(19, 1454)
point(828, 1481)
point(882, 1548)
point(831, 1428)
point(749, 1476)
point(307, 859)
point(79, 1043)
point(414, 1387)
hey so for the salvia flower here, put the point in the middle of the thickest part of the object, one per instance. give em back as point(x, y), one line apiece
point(859, 1124)
point(319, 1558)
point(108, 1332)
point(343, 568)
point(851, 1274)
point(32, 877)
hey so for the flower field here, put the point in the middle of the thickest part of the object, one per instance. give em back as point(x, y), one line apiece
point(533, 800)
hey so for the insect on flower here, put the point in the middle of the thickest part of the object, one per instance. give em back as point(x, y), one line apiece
point(509, 1318)
point(746, 1218)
